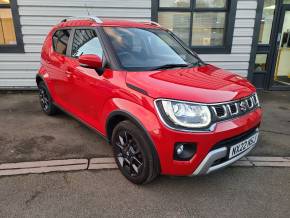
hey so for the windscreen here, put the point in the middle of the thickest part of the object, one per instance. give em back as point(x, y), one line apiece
point(148, 49)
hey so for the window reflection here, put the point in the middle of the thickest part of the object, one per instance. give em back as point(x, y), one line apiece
point(7, 32)
point(266, 22)
point(260, 63)
point(177, 22)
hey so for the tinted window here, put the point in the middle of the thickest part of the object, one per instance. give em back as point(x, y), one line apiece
point(86, 42)
point(60, 41)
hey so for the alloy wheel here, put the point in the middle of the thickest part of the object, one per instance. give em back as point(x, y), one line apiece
point(128, 154)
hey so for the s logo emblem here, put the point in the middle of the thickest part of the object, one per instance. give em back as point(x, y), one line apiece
point(243, 106)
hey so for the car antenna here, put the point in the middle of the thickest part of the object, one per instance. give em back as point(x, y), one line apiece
point(86, 6)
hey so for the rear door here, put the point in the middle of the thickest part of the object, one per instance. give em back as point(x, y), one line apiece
point(60, 78)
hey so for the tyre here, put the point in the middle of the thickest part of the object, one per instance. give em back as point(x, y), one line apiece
point(134, 153)
point(46, 102)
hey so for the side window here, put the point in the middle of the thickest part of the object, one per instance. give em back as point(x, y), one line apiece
point(86, 41)
point(60, 41)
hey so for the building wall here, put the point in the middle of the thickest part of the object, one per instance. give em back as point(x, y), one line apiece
point(37, 17)
point(238, 60)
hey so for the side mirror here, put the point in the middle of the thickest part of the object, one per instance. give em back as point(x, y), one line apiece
point(91, 61)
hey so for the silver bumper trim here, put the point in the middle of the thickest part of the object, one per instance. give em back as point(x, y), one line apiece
point(206, 165)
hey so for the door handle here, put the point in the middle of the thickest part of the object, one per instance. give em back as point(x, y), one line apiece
point(68, 74)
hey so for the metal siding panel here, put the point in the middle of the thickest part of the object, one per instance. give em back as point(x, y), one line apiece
point(19, 57)
point(243, 73)
point(69, 11)
point(90, 3)
point(242, 40)
point(35, 30)
point(248, 23)
point(244, 32)
point(19, 65)
point(225, 57)
point(32, 48)
point(10, 83)
point(8, 74)
point(51, 21)
point(241, 49)
point(247, 5)
point(246, 14)
point(36, 39)
point(232, 65)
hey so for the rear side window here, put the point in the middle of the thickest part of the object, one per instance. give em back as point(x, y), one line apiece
point(86, 41)
point(60, 41)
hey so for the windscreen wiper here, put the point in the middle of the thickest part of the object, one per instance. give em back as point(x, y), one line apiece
point(168, 66)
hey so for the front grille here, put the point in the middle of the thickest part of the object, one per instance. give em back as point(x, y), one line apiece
point(220, 110)
point(235, 108)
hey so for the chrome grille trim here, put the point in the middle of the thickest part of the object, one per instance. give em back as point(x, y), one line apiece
point(241, 107)
point(214, 108)
point(230, 109)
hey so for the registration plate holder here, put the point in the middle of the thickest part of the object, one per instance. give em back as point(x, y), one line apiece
point(243, 146)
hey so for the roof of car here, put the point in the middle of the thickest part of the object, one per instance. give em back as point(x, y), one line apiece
point(75, 22)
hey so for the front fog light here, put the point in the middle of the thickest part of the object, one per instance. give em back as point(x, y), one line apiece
point(179, 149)
point(184, 151)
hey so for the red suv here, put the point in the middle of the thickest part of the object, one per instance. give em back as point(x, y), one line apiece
point(162, 108)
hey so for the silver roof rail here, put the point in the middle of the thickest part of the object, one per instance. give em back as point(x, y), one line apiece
point(96, 19)
point(151, 22)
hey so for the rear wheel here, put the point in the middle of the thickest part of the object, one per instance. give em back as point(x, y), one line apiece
point(46, 102)
point(134, 154)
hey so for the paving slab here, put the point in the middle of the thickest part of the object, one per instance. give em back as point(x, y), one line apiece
point(271, 164)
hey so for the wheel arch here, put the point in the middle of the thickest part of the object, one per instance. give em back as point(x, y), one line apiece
point(39, 79)
point(118, 116)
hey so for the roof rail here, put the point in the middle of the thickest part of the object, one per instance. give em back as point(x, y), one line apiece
point(96, 19)
point(151, 22)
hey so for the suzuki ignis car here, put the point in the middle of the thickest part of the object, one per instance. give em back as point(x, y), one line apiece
point(163, 109)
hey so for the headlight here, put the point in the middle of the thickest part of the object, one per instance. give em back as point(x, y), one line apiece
point(184, 114)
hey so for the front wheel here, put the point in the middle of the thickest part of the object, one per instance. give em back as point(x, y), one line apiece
point(134, 154)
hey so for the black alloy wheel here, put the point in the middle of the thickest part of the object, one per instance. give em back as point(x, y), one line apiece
point(133, 153)
point(128, 154)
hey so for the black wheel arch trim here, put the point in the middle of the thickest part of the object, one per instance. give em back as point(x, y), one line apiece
point(138, 123)
point(137, 89)
point(41, 77)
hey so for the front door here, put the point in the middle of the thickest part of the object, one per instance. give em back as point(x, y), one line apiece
point(87, 83)
point(281, 71)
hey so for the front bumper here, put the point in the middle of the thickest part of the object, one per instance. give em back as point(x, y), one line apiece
point(208, 164)
point(212, 147)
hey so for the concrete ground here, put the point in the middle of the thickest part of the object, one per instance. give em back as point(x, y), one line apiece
point(26, 134)
point(275, 128)
point(234, 192)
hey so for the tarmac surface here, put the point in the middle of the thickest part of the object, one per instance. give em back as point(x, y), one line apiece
point(233, 192)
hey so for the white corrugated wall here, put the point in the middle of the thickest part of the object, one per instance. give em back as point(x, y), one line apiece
point(37, 17)
point(238, 60)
